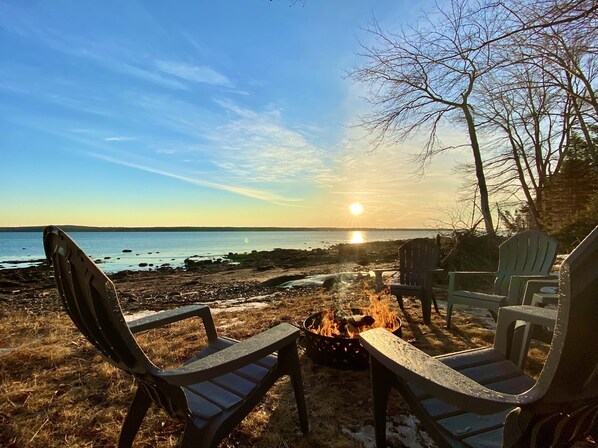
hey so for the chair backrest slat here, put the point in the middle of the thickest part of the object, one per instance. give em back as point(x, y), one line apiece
point(90, 299)
point(531, 252)
point(416, 257)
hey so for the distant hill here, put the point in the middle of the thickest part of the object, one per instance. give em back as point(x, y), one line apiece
point(72, 228)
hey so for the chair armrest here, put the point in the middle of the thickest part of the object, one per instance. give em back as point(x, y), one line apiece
point(424, 371)
point(453, 277)
point(170, 316)
point(233, 357)
point(430, 274)
point(517, 287)
point(459, 273)
point(533, 286)
point(508, 315)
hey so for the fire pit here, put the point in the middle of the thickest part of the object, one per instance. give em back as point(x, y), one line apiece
point(331, 337)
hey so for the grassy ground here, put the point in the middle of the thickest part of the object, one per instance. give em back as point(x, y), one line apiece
point(55, 390)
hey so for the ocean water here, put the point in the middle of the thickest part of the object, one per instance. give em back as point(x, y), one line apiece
point(159, 248)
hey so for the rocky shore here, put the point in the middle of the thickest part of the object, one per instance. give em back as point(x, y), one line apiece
point(242, 278)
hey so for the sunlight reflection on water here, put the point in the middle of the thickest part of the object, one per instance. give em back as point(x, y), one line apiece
point(357, 237)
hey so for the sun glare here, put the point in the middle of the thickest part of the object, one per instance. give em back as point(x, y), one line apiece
point(356, 237)
point(356, 208)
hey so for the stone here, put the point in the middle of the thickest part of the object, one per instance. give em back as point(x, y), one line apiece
point(275, 281)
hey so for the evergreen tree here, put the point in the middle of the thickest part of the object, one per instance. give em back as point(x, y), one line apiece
point(570, 206)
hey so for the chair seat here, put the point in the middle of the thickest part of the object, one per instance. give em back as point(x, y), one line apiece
point(405, 288)
point(223, 394)
point(488, 367)
point(479, 296)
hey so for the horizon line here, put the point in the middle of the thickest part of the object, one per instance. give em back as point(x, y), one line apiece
point(78, 228)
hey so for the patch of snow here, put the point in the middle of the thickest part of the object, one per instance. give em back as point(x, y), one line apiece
point(244, 307)
point(139, 315)
point(480, 313)
point(401, 430)
point(318, 280)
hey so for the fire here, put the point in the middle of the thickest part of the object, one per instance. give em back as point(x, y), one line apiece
point(345, 324)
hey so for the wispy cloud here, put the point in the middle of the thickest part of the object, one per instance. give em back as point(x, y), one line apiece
point(119, 139)
point(258, 146)
point(243, 191)
point(105, 54)
point(193, 73)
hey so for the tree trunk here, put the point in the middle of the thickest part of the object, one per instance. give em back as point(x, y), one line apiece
point(479, 171)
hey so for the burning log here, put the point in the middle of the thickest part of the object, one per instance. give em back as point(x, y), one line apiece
point(331, 336)
point(349, 323)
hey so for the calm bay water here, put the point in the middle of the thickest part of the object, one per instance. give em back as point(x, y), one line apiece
point(159, 248)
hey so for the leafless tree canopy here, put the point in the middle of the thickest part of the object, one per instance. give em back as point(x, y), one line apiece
point(518, 77)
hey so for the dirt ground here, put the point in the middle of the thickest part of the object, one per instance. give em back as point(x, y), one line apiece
point(51, 377)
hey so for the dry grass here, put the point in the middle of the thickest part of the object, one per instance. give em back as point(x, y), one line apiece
point(57, 391)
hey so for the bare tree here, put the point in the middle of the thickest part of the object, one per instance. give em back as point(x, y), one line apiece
point(543, 92)
point(424, 76)
point(531, 123)
point(518, 77)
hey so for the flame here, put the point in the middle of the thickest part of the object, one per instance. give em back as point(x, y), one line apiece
point(379, 309)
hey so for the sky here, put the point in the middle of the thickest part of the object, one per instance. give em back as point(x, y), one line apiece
point(228, 113)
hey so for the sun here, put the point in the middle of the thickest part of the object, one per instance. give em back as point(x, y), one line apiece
point(356, 208)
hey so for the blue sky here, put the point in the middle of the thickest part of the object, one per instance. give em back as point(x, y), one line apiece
point(199, 113)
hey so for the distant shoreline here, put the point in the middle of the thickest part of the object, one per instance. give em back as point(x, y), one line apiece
point(74, 228)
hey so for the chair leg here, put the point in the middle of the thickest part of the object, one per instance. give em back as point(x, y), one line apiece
point(426, 308)
point(192, 437)
point(139, 406)
point(520, 342)
point(289, 357)
point(435, 304)
point(380, 390)
point(400, 301)
point(449, 311)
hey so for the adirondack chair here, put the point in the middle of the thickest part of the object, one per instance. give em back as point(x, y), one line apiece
point(478, 398)
point(212, 392)
point(418, 262)
point(525, 256)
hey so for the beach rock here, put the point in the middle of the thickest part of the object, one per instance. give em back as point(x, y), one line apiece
point(329, 283)
point(264, 268)
point(196, 264)
point(275, 281)
point(142, 265)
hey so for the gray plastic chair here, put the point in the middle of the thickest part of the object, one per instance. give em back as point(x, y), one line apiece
point(479, 398)
point(525, 256)
point(212, 392)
